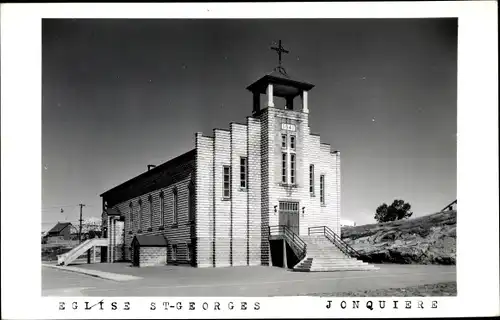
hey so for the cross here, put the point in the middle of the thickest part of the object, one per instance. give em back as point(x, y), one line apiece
point(279, 50)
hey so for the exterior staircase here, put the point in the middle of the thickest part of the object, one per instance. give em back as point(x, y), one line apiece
point(73, 254)
point(327, 252)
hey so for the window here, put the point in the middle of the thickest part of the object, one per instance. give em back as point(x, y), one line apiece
point(162, 209)
point(292, 142)
point(289, 207)
point(243, 172)
point(174, 252)
point(150, 204)
point(191, 203)
point(131, 206)
point(140, 214)
point(322, 188)
point(311, 180)
point(283, 168)
point(288, 163)
point(174, 205)
point(227, 182)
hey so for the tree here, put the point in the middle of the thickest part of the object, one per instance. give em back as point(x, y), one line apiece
point(91, 228)
point(396, 211)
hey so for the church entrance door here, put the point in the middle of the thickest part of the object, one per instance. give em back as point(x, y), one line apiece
point(289, 215)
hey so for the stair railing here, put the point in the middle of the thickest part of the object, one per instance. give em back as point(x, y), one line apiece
point(296, 243)
point(77, 249)
point(85, 245)
point(335, 239)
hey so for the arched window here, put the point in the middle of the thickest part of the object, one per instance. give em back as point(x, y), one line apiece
point(191, 201)
point(131, 214)
point(150, 208)
point(162, 209)
point(175, 208)
point(140, 214)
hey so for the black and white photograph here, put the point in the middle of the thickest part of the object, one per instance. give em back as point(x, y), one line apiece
point(249, 159)
point(257, 157)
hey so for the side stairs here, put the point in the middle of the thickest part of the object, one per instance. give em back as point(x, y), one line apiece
point(73, 254)
point(323, 255)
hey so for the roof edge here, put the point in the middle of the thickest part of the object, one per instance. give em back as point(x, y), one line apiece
point(189, 154)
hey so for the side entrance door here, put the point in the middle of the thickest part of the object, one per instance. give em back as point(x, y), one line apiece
point(136, 254)
point(289, 215)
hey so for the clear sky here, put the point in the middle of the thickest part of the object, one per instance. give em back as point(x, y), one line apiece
point(121, 94)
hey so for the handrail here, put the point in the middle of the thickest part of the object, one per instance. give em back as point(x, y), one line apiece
point(293, 239)
point(449, 206)
point(335, 239)
point(77, 251)
point(80, 245)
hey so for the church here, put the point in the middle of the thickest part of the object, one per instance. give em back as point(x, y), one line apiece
point(250, 194)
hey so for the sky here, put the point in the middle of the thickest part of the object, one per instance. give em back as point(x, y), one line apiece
point(118, 95)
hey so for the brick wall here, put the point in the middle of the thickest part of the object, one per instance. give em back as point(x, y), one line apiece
point(229, 230)
point(329, 214)
point(204, 200)
point(277, 192)
point(152, 256)
point(336, 193)
point(256, 218)
point(309, 150)
point(239, 199)
point(235, 231)
point(222, 207)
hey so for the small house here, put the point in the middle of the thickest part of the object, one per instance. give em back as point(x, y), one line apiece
point(61, 231)
point(149, 250)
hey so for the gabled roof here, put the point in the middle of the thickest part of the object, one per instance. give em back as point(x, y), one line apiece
point(60, 226)
point(150, 240)
point(158, 177)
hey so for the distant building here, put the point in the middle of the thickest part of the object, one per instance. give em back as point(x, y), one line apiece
point(347, 223)
point(61, 231)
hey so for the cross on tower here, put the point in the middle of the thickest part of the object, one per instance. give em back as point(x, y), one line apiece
point(279, 50)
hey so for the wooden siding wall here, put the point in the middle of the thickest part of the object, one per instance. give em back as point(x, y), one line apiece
point(151, 224)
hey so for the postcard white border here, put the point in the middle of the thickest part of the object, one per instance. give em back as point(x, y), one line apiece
point(477, 230)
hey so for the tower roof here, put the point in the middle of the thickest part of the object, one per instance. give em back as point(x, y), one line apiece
point(283, 85)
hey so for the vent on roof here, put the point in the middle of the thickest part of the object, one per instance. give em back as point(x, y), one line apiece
point(151, 166)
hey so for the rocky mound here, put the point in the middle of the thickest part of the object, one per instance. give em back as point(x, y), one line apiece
point(425, 240)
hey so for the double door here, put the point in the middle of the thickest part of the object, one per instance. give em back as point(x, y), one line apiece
point(289, 215)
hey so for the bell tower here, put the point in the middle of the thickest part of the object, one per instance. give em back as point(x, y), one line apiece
point(279, 84)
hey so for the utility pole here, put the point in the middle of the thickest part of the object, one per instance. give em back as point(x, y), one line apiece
point(81, 220)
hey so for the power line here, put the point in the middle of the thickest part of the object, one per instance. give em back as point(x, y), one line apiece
point(66, 206)
point(57, 207)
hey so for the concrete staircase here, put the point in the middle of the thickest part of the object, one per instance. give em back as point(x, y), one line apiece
point(323, 255)
point(73, 254)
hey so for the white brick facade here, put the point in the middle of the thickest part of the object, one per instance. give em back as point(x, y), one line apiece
point(233, 229)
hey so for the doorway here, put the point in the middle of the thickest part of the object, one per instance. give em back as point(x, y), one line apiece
point(289, 215)
point(136, 254)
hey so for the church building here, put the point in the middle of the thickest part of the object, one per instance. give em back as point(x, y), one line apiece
point(224, 202)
